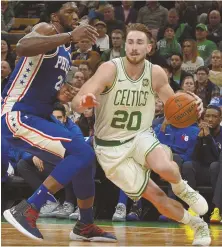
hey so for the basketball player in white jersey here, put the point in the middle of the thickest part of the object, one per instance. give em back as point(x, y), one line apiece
point(126, 147)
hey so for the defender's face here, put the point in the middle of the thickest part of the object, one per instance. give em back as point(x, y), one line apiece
point(137, 47)
point(67, 16)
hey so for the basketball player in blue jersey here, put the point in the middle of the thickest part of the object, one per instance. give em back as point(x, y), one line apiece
point(33, 88)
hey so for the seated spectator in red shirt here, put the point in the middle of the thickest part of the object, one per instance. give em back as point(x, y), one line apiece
point(126, 12)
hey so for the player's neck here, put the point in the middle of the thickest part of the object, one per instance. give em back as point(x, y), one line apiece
point(134, 71)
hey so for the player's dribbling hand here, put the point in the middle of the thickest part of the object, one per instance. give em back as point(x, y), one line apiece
point(199, 103)
point(38, 163)
point(89, 101)
point(84, 31)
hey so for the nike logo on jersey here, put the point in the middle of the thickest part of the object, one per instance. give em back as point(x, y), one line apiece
point(121, 80)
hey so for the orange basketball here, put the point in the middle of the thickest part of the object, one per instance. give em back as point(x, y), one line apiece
point(181, 110)
point(89, 102)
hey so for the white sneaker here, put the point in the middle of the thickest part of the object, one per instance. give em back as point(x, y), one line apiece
point(196, 201)
point(201, 233)
point(75, 215)
point(48, 209)
point(120, 213)
point(64, 211)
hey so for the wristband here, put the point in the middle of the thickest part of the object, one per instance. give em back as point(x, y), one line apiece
point(70, 35)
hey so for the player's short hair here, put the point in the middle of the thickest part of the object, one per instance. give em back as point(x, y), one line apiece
point(217, 108)
point(139, 27)
point(59, 107)
point(54, 6)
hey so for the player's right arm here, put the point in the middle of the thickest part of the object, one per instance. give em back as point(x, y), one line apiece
point(44, 38)
point(98, 83)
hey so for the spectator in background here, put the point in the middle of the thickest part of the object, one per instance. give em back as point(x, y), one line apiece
point(153, 15)
point(168, 45)
point(126, 13)
point(7, 54)
point(153, 56)
point(168, 69)
point(214, 27)
point(191, 60)
point(206, 90)
point(7, 16)
point(187, 12)
point(206, 166)
point(215, 74)
point(182, 30)
point(86, 70)
point(178, 74)
point(204, 46)
point(5, 74)
point(188, 84)
point(103, 40)
point(86, 122)
point(117, 49)
point(120, 212)
point(111, 22)
point(85, 53)
point(159, 112)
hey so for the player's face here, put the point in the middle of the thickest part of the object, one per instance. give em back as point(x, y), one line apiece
point(212, 117)
point(67, 16)
point(59, 116)
point(188, 85)
point(175, 62)
point(137, 47)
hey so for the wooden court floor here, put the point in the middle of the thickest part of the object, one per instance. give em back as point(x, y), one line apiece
point(56, 233)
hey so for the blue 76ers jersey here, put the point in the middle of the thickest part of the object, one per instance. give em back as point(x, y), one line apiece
point(35, 81)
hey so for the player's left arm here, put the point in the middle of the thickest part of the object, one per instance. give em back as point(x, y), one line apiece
point(160, 84)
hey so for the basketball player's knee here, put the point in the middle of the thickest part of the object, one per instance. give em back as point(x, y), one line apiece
point(166, 167)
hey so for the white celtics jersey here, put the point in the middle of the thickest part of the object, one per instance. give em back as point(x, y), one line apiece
point(128, 107)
